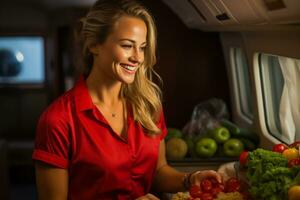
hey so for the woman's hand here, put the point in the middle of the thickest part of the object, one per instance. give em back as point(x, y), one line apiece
point(198, 176)
point(148, 197)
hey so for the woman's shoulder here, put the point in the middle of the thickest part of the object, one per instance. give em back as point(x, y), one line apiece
point(59, 109)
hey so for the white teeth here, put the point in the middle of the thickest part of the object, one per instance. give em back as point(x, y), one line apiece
point(129, 67)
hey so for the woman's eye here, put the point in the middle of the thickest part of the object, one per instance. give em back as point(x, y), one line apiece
point(125, 46)
point(143, 49)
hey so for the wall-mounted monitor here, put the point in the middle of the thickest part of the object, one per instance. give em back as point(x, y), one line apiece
point(22, 60)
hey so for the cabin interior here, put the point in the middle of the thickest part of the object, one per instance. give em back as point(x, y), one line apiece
point(206, 49)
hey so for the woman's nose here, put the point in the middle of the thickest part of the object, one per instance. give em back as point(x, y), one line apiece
point(137, 56)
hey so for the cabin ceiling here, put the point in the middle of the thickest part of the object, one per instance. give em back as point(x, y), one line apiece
point(232, 15)
point(206, 15)
point(64, 3)
point(52, 4)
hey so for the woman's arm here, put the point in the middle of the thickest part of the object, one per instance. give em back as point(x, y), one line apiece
point(168, 179)
point(52, 182)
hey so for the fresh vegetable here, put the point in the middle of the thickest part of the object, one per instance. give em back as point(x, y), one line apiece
point(243, 158)
point(206, 185)
point(232, 185)
point(269, 176)
point(195, 191)
point(290, 153)
point(294, 192)
point(279, 148)
point(209, 188)
point(248, 144)
point(294, 162)
point(206, 196)
point(238, 132)
point(214, 182)
point(232, 127)
point(249, 134)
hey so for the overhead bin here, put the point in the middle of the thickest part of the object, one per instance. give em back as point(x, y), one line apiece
point(223, 14)
point(279, 11)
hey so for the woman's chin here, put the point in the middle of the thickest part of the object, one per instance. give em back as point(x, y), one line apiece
point(127, 79)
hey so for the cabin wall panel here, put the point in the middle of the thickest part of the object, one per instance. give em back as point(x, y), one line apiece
point(190, 63)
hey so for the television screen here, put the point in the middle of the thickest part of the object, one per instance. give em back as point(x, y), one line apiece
point(22, 60)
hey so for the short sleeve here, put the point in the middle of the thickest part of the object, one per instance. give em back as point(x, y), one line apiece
point(162, 125)
point(52, 139)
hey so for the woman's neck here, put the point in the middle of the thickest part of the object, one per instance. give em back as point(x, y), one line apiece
point(103, 91)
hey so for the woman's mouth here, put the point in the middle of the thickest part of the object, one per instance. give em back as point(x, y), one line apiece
point(128, 68)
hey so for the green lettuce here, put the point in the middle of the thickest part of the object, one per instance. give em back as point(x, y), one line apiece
point(269, 176)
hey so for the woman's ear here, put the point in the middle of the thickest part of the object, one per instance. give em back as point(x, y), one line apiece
point(94, 49)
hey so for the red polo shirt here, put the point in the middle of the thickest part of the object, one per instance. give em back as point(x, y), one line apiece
point(73, 134)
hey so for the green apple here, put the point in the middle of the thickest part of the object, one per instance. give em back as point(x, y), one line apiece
point(176, 148)
point(220, 134)
point(173, 132)
point(206, 147)
point(233, 147)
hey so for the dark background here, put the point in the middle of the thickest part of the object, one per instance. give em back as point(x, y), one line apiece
point(190, 63)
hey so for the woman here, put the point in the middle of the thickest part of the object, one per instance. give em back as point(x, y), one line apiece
point(104, 139)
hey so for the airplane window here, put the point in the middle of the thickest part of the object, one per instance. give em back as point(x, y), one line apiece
point(22, 60)
point(280, 86)
point(242, 82)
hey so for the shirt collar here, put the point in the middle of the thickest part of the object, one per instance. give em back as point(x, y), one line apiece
point(83, 100)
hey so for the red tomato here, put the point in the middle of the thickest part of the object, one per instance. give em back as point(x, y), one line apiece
point(195, 191)
point(232, 185)
point(206, 196)
point(279, 148)
point(206, 185)
point(244, 158)
point(294, 162)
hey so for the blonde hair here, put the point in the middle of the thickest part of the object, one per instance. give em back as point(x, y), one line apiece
point(143, 94)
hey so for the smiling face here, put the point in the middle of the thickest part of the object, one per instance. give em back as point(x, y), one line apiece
point(120, 56)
